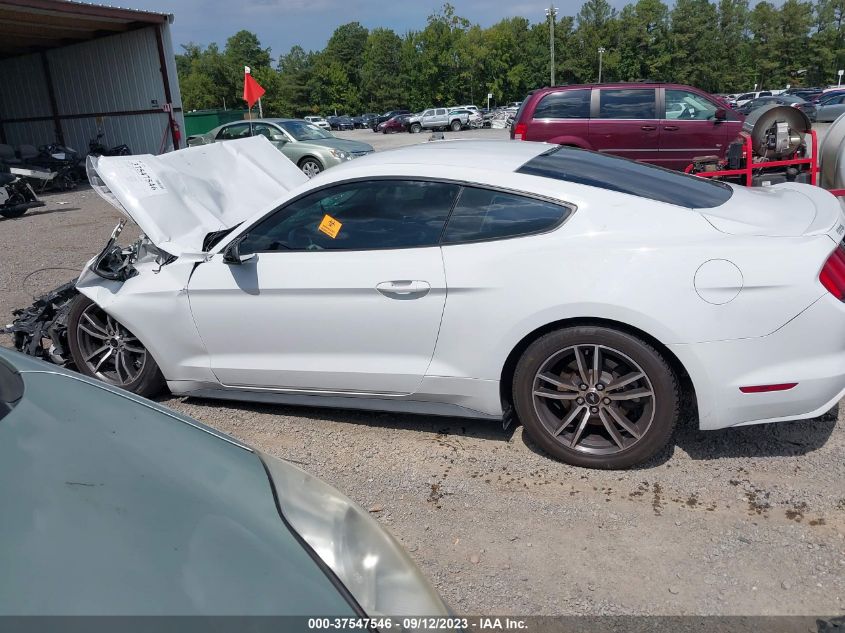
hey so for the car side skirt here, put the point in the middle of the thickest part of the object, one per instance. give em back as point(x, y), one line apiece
point(452, 405)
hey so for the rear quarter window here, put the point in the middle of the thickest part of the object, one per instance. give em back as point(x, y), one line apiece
point(566, 104)
point(583, 167)
point(486, 214)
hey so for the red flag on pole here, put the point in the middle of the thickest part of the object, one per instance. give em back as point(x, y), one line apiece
point(252, 89)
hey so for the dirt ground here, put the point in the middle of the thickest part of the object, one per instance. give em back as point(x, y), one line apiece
point(739, 522)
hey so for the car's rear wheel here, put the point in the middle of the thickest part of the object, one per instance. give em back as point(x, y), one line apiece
point(310, 166)
point(456, 126)
point(596, 397)
point(103, 348)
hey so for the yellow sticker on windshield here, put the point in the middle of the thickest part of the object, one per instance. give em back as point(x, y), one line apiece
point(330, 226)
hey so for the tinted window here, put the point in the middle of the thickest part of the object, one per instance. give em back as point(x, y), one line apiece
point(441, 112)
point(357, 216)
point(482, 214)
point(637, 103)
point(685, 105)
point(239, 130)
point(627, 176)
point(567, 104)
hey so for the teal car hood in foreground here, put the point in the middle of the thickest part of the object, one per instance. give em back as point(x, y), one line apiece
point(115, 505)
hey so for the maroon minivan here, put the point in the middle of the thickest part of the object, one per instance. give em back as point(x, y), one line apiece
point(664, 124)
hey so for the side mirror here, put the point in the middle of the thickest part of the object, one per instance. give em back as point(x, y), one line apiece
point(232, 255)
point(721, 115)
point(278, 138)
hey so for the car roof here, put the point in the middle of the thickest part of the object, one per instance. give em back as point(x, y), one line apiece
point(502, 156)
point(622, 84)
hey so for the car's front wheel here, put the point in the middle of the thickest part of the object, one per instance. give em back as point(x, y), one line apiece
point(416, 128)
point(103, 348)
point(310, 166)
point(596, 397)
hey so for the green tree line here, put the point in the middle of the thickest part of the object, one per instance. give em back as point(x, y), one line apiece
point(721, 46)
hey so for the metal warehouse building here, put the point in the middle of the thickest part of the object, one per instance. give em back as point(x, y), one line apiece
point(71, 69)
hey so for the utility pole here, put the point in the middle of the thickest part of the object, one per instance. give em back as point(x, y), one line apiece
point(601, 54)
point(551, 13)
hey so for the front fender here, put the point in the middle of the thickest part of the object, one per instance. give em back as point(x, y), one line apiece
point(154, 306)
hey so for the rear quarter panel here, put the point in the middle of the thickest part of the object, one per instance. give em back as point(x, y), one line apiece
point(619, 258)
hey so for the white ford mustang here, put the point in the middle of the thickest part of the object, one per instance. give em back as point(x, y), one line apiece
point(591, 295)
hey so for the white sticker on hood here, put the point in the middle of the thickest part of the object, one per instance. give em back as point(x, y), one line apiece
point(139, 179)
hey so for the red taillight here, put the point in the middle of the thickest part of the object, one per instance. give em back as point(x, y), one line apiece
point(519, 131)
point(785, 386)
point(832, 275)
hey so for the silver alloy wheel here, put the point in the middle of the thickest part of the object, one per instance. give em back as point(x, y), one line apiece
point(593, 399)
point(109, 350)
point(311, 168)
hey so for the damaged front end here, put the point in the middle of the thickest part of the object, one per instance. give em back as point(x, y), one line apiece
point(45, 320)
point(41, 329)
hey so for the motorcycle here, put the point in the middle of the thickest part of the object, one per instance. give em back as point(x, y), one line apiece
point(16, 196)
point(64, 163)
point(96, 148)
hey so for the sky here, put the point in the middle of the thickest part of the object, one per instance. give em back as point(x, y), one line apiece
point(281, 24)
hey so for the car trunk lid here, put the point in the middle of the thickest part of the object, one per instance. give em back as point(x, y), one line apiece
point(784, 210)
point(180, 197)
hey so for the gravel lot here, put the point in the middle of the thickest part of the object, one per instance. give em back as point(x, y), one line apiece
point(737, 522)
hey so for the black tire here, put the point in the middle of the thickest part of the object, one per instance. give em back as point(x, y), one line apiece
point(148, 382)
point(456, 126)
point(14, 213)
point(416, 128)
point(597, 447)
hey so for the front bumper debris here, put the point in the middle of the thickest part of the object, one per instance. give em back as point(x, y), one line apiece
point(45, 319)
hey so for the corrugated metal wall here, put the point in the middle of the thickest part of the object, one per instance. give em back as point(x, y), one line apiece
point(110, 74)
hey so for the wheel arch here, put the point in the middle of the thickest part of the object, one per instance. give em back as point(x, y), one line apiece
point(688, 393)
point(571, 141)
point(310, 157)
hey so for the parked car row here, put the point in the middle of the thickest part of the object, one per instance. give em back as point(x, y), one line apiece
point(783, 99)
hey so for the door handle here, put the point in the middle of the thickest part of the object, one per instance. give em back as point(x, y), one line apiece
point(404, 289)
point(648, 128)
point(671, 128)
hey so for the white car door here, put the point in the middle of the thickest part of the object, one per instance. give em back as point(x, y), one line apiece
point(345, 291)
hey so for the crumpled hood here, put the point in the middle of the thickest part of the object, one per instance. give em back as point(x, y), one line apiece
point(783, 210)
point(180, 197)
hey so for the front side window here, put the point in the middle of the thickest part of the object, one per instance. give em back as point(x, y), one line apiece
point(270, 132)
point(231, 132)
point(566, 104)
point(484, 214)
point(626, 103)
point(685, 105)
point(362, 215)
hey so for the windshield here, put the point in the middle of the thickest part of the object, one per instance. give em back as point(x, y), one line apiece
point(304, 131)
